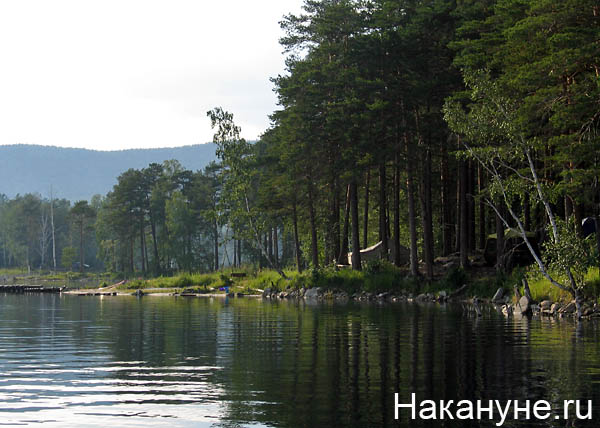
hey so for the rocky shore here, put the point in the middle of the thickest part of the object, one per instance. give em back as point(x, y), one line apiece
point(508, 305)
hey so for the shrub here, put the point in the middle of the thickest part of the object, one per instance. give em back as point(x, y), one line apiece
point(183, 281)
point(455, 278)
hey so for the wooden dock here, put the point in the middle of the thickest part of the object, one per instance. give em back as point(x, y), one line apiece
point(19, 289)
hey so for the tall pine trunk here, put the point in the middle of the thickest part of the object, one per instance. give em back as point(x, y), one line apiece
point(383, 229)
point(356, 262)
point(275, 247)
point(343, 256)
point(412, 220)
point(499, 243)
point(464, 215)
point(336, 219)
point(482, 229)
point(471, 204)
point(446, 217)
point(142, 247)
point(80, 248)
point(296, 236)
point(53, 231)
point(270, 242)
point(216, 244)
point(366, 211)
point(396, 245)
point(426, 214)
point(313, 227)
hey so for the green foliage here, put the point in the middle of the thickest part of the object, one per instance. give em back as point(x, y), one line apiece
point(183, 281)
point(227, 281)
point(541, 288)
point(69, 255)
point(568, 253)
point(268, 279)
point(455, 278)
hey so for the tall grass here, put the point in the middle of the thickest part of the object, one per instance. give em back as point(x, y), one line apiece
point(542, 289)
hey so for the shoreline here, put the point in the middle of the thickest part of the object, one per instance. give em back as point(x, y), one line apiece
point(505, 305)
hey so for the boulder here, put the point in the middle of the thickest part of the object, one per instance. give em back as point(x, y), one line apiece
point(341, 295)
point(313, 293)
point(571, 308)
point(450, 265)
point(555, 308)
point(545, 305)
point(524, 305)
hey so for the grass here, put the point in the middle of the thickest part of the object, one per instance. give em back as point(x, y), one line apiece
point(377, 276)
point(12, 271)
point(542, 289)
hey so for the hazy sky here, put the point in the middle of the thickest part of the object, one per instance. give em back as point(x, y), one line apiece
point(106, 75)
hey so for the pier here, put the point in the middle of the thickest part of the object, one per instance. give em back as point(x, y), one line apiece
point(29, 289)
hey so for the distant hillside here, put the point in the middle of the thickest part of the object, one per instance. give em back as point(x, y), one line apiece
point(76, 174)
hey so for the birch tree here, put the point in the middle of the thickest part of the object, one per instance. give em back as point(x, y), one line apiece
point(493, 135)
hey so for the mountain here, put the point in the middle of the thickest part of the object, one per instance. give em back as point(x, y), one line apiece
point(76, 174)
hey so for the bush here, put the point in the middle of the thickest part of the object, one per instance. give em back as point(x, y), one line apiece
point(455, 278)
point(183, 281)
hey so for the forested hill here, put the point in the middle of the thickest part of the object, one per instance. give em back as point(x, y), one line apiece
point(76, 174)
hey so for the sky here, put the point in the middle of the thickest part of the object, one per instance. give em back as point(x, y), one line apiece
point(113, 75)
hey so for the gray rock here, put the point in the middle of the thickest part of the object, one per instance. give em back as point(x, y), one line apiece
point(313, 293)
point(523, 307)
point(499, 295)
point(571, 308)
point(342, 295)
point(545, 304)
point(421, 297)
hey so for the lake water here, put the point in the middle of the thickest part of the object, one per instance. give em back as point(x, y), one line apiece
point(201, 362)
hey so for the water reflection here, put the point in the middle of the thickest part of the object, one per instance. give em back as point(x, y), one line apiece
point(161, 361)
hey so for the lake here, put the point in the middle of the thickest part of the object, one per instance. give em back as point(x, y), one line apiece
point(215, 362)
